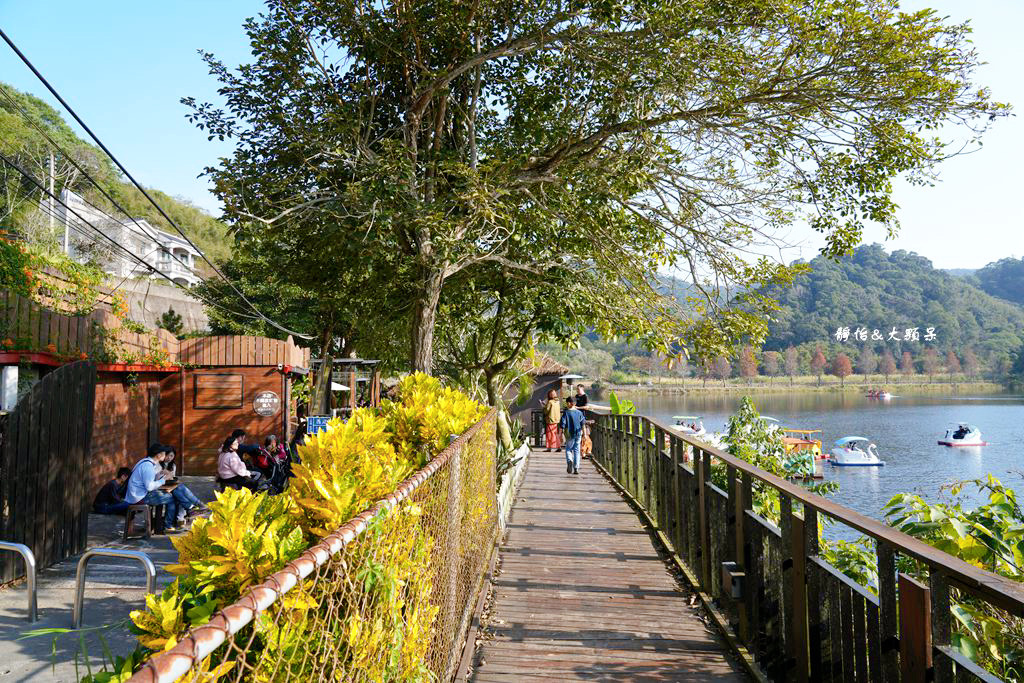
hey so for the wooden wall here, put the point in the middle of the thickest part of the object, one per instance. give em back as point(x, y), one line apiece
point(121, 430)
point(205, 428)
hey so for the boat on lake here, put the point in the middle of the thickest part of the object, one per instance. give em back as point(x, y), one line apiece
point(880, 395)
point(803, 441)
point(962, 434)
point(855, 451)
point(691, 425)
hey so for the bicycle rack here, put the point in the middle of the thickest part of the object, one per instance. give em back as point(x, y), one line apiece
point(30, 573)
point(143, 558)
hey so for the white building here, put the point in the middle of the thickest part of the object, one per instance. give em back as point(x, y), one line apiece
point(170, 254)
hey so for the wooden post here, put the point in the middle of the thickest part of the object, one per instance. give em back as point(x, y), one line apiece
point(941, 624)
point(915, 630)
point(705, 521)
point(794, 587)
point(813, 593)
point(676, 482)
point(888, 613)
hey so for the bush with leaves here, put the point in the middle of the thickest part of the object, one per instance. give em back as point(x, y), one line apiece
point(759, 442)
point(989, 536)
point(373, 612)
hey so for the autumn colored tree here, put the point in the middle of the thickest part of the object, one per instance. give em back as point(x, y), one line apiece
point(887, 364)
point(748, 363)
point(971, 364)
point(842, 367)
point(867, 361)
point(721, 369)
point(930, 363)
point(952, 364)
point(771, 363)
point(907, 364)
point(792, 362)
point(818, 363)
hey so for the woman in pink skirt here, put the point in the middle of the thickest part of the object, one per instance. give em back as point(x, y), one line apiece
point(552, 414)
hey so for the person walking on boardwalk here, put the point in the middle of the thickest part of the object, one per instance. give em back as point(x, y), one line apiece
point(572, 422)
point(552, 415)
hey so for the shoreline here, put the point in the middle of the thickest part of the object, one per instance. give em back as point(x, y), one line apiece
point(954, 388)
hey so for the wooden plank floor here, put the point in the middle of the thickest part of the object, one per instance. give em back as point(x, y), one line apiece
point(583, 595)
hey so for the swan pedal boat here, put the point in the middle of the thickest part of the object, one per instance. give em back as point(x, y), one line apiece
point(855, 451)
point(962, 434)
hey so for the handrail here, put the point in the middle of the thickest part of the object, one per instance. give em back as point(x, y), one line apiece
point(999, 590)
point(143, 558)
point(30, 574)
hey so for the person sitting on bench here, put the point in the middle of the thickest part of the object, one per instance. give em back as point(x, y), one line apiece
point(183, 494)
point(110, 500)
point(144, 486)
point(231, 471)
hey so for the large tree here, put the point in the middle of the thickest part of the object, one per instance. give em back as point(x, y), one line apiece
point(619, 137)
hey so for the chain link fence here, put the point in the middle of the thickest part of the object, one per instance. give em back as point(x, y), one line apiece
point(388, 596)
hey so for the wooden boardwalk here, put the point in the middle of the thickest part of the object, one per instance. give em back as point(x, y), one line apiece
point(584, 595)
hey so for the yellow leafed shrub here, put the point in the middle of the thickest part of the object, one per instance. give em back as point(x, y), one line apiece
point(372, 609)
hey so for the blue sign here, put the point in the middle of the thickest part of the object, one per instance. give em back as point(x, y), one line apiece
point(317, 423)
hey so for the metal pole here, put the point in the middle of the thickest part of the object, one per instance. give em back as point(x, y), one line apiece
point(30, 573)
point(143, 558)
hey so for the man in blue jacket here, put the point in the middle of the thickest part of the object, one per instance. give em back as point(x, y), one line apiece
point(572, 422)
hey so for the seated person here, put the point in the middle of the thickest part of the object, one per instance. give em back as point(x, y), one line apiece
point(248, 450)
point(144, 487)
point(231, 471)
point(273, 463)
point(186, 499)
point(110, 499)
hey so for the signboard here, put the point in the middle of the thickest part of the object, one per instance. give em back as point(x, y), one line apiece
point(317, 423)
point(266, 403)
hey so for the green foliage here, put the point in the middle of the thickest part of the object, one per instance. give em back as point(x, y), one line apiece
point(15, 268)
point(1003, 279)
point(458, 143)
point(623, 407)
point(759, 442)
point(880, 291)
point(171, 321)
point(989, 536)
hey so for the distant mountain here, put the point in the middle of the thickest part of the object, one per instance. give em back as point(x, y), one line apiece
point(876, 290)
point(1004, 279)
point(961, 272)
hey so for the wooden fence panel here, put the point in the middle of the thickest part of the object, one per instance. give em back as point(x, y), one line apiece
point(42, 467)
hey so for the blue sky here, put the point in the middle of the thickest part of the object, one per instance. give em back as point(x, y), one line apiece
point(124, 66)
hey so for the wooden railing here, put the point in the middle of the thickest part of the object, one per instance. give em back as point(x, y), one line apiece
point(796, 615)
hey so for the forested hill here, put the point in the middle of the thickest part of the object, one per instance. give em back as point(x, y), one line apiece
point(876, 290)
point(22, 116)
point(1004, 279)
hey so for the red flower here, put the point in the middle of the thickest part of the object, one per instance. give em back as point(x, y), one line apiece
point(7, 343)
point(83, 355)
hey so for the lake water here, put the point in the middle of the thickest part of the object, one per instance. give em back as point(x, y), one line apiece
point(904, 429)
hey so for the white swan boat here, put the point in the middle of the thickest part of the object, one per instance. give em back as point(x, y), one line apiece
point(855, 451)
point(691, 425)
point(962, 434)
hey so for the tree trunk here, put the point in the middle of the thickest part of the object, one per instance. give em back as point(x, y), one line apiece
point(318, 404)
point(424, 318)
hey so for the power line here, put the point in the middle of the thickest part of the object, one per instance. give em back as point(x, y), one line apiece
point(28, 176)
point(138, 186)
point(85, 173)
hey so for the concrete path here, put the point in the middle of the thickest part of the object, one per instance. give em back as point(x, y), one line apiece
point(113, 589)
point(584, 595)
